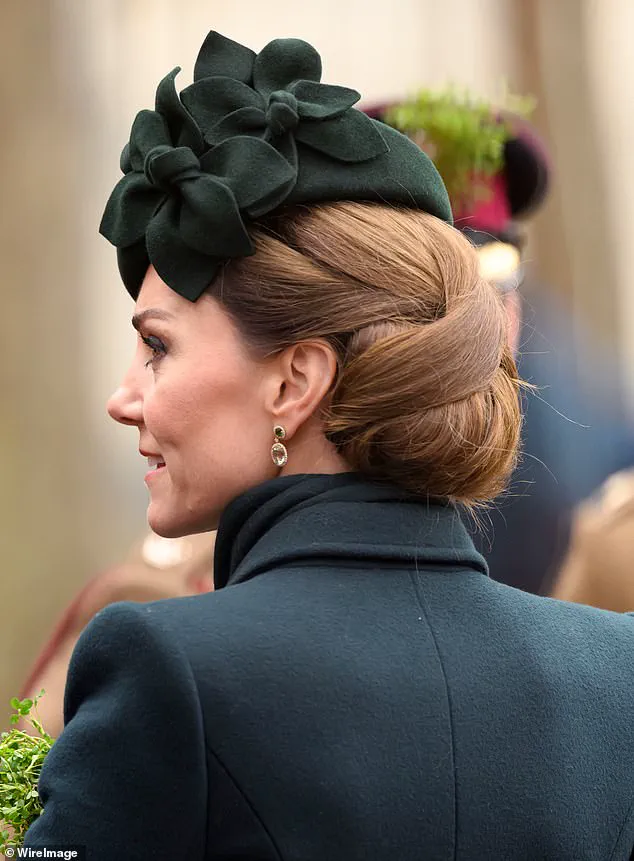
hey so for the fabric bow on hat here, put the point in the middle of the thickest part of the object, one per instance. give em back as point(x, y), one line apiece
point(253, 132)
point(182, 199)
point(276, 95)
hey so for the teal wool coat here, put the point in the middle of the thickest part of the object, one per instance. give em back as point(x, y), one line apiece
point(357, 689)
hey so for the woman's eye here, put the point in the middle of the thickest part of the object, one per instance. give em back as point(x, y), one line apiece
point(156, 346)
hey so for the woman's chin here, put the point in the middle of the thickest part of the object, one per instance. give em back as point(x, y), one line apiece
point(170, 525)
point(162, 524)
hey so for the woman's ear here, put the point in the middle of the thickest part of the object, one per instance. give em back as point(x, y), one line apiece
point(304, 374)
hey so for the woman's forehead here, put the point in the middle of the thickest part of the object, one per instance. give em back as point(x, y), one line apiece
point(159, 301)
point(154, 292)
point(203, 318)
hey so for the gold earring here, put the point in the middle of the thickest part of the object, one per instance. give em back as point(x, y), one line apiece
point(279, 455)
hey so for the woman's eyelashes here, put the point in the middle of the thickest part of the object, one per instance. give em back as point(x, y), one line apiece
point(156, 346)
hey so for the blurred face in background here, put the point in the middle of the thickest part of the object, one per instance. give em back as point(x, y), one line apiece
point(513, 305)
point(196, 397)
point(500, 263)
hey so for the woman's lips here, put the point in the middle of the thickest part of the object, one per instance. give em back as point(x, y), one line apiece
point(152, 473)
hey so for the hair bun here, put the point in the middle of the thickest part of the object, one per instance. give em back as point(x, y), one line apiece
point(427, 394)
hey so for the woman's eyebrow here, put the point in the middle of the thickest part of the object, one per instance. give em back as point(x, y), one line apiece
point(150, 312)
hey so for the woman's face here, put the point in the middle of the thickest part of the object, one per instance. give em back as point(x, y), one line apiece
point(197, 398)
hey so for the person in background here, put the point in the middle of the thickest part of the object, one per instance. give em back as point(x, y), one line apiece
point(598, 568)
point(155, 568)
point(498, 173)
point(575, 437)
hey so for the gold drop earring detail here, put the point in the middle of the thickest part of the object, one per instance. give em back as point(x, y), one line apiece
point(279, 455)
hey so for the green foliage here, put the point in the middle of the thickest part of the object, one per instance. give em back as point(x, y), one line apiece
point(464, 136)
point(21, 758)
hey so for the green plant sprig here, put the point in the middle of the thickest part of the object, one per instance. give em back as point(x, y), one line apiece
point(21, 757)
point(463, 135)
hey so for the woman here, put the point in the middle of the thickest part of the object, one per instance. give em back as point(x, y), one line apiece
point(321, 373)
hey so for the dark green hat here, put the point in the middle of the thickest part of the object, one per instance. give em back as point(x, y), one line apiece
point(252, 133)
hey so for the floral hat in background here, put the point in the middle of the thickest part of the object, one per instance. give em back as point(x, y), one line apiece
point(495, 167)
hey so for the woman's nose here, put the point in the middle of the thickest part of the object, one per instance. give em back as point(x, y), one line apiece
point(126, 405)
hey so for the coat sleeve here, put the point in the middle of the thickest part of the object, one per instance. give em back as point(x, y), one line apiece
point(127, 776)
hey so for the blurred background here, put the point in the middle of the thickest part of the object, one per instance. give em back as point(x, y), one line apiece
point(72, 498)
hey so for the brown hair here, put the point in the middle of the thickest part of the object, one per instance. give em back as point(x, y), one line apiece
point(427, 394)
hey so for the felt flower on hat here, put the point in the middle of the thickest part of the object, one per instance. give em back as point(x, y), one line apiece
point(252, 133)
point(277, 96)
point(181, 201)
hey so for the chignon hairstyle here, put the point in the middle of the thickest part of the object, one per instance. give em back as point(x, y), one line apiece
point(426, 394)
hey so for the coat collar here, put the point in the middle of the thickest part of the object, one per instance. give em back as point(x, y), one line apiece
point(335, 518)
